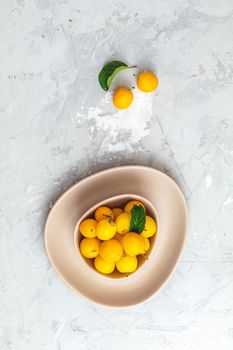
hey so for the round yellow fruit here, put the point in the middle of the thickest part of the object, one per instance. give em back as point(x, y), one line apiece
point(129, 206)
point(147, 244)
point(147, 81)
point(150, 227)
point(119, 237)
point(111, 250)
point(103, 213)
point(103, 266)
point(122, 98)
point(116, 212)
point(105, 229)
point(88, 228)
point(127, 264)
point(89, 247)
point(133, 244)
point(123, 223)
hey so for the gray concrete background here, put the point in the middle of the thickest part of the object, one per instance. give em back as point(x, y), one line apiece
point(58, 126)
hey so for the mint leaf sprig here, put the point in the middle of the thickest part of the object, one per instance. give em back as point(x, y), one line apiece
point(138, 219)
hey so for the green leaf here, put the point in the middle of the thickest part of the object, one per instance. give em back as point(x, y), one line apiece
point(117, 70)
point(138, 219)
point(109, 71)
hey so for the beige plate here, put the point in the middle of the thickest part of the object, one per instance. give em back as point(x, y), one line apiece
point(157, 188)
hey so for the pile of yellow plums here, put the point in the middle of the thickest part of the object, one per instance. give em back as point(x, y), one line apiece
point(107, 238)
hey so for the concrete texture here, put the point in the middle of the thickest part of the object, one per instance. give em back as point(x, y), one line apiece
point(58, 126)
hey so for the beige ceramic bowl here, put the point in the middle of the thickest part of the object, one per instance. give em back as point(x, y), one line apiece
point(164, 195)
point(116, 201)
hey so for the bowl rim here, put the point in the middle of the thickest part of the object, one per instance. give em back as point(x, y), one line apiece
point(128, 197)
